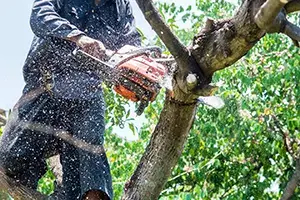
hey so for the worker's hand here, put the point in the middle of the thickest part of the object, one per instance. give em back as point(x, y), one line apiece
point(90, 46)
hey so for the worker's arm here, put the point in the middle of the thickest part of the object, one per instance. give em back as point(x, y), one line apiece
point(130, 36)
point(45, 21)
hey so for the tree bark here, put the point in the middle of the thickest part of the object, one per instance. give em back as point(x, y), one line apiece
point(293, 183)
point(162, 153)
point(222, 43)
point(17, 191)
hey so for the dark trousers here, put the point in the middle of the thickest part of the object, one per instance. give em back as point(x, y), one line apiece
point(23, 150)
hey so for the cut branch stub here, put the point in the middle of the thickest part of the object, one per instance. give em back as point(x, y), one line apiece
point(190, 79)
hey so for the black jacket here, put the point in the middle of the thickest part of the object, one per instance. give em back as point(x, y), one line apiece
point(52, 21)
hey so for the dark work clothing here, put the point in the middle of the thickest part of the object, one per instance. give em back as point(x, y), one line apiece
point(76, 103)
point(23, 151)
point(53, 21)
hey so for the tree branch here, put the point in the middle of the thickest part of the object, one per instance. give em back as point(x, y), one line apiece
point(268, 12)
point(272, 18)
point(292, 31)
point(162, 153)
point(17, 191)
point(222, 43)
point(176, 48)
point(293, 183)
point(285, 136)
point(185, 62)
point(295, 179)
point(292, 6)
point(288, 144)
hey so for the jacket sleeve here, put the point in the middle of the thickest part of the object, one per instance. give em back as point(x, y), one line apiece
point(45, 20)
point(131, 35)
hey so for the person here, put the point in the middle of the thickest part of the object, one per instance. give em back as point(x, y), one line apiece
point(58, 94)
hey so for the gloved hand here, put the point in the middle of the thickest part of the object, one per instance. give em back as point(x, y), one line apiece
point(90, 46)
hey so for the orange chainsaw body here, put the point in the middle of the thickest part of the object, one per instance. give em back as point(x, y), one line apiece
point(141, 76)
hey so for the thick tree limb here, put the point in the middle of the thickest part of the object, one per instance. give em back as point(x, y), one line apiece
point(17, 191)
point(293, 183)
point(292, 6)
point(222, 43)
point(268, 12)
point(272, 18)
point(176, 48)
point(162, 153)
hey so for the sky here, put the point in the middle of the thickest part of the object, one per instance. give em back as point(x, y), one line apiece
point(16, 37)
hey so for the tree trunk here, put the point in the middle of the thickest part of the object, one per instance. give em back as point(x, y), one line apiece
point(162, 153)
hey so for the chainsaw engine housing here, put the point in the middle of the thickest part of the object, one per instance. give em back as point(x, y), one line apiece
point(140, 78)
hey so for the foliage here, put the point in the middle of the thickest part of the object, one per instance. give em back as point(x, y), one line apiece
point(46, 184)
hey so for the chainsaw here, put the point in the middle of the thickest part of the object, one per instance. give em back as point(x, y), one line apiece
point(136, 74)
point(132, 72)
